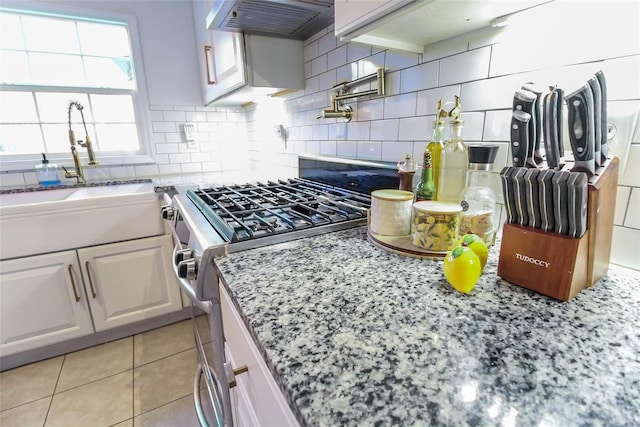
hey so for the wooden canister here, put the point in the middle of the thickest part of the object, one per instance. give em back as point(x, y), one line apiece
point(391, 212)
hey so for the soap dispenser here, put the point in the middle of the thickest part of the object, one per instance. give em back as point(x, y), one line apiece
point(47, 173)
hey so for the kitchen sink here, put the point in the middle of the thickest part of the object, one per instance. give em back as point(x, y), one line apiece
point(65, 218)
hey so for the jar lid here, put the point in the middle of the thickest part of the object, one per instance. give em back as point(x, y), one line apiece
point(437, 207)
point(390, 194)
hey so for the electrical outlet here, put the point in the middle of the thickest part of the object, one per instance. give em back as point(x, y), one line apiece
point(190, 134)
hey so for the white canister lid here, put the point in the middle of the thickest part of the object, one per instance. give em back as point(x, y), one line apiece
point(437, 207)
point(393, 195)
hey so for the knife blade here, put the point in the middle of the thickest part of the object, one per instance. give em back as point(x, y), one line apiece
point(533, 202)
point(581, 129)
point(520, 193)
point(519, 137)
point(525, 101)
point(560, 211)
point(533, 88)
point(597, 124)
point(604, 144)
point(545, 199)
point(551, 129)
point(508, 194)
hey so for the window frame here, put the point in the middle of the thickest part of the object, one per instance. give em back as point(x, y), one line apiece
point(25, 162)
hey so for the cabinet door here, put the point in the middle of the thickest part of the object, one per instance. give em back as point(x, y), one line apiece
point(130, 281)
point(42, 302)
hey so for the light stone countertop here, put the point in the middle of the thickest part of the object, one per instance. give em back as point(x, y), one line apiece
point(359, 336)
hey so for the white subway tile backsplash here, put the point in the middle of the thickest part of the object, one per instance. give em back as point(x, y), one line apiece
point(415, 129)
point(370, 65)
point(622, 201)
point(146, 170)
point(180, 158)
point(346, 73)
point(400, 106)
point(337, 57)
point(420, 77)
point(631, 175)
point(392, 81)
point(624, 248)
point(622, 77)
point(328, 148)
point(216, 116)
point(312, 147)
point(632, 219)
point(347, 149)
point(191, 167)
point(163, 126)
point(497, 125)
point(235, 117)
point(428, 99)
point(444, 49)
point(357, 51)
point(174, 116)
point(201, 157)
point(473, 125)
point(30, 178)
point(358, 130)
point(397, 151)
point(369, 150)
point(491, 94)
point(307, 68)
point(196, 116)
point(11, 179)
point(320, 132)
point(162, 159)
point(464, 67)
point(121, 172)
point(327, 43)
point(306, 133)
point(337, 131)
point(312, 85)
point(372, 109)
point(503, 157)
point(311, 51)
point(397, 60)
point(173, 137)
point(384, 130)
point(327, 79)
point(156, 116)
point(167, 148)
point(157, 138)
point(169, 169)
point(319, 65)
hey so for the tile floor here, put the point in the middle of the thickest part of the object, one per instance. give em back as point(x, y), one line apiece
point(142, 380)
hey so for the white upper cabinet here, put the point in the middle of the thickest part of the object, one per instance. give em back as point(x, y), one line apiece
point(237, 68)
point(411, 25)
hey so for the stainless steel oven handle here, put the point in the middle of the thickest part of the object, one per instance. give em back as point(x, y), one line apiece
point(186, 286)
point(214, 394)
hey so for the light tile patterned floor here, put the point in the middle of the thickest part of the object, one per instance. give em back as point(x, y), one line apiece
point(143, 380)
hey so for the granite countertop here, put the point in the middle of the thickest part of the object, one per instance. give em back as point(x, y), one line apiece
point(358, 336)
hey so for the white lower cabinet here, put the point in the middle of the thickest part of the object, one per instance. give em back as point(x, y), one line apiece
point(42, 302)
point(257, 399)
point(129, 281)
point(52, 298)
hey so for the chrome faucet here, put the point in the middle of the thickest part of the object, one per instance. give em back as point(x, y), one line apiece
point(78, 173)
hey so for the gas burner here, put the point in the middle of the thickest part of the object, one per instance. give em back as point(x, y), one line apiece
point(262, 225)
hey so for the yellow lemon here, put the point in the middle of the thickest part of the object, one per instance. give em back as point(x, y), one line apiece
point(462, 269)
point(477, 245)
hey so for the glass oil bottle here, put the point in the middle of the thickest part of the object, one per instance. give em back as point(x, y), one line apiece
point(454, 161)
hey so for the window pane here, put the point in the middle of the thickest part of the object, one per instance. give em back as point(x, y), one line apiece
point(20, 139)
point(118, 137)
point(14, 68)
point(17, 107)
point(11, 32)
point(45, 34)
point(53, 107)
point(104, 40)
point(51, 69)
point(109, 72)
point(57, 137)
point(113, 108)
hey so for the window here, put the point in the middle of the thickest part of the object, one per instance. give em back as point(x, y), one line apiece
point(49, 60)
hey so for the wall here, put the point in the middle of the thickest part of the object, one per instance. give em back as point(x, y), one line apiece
point(484, 68)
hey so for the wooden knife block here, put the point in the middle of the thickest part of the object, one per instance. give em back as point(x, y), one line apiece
point(573, 264)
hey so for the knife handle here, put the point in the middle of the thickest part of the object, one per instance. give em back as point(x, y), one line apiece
point(604, 143)
point(519, 137)
point(597, 124)
point(551, 130)
point(531, 87)
point(560, 121)
point(524, 100)
point(580, 104)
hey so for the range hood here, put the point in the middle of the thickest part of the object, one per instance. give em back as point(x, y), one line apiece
point(292, 19)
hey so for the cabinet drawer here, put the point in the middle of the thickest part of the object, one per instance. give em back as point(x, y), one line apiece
point(257, 385)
